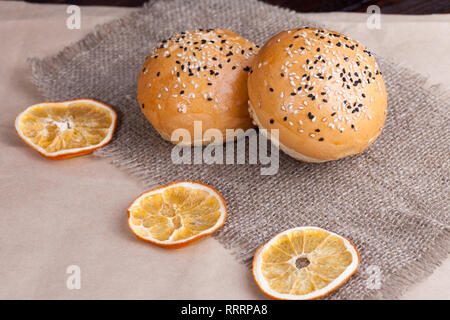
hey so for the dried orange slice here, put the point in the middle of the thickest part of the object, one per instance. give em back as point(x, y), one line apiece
point(176, 214)
point(304, 263)
point(65, 129)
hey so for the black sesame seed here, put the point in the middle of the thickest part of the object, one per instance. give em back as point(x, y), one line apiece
point(321, 139)
point(143, 106)
point(158, 73)
point(285, 118)
point(271, 89)
point(317, 130)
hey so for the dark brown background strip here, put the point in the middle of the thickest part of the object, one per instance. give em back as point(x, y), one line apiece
point(387, 6)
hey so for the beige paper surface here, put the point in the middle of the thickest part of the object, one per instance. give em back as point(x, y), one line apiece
point(60, 213)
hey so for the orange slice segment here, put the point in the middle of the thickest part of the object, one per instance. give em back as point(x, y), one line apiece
point(177, 214)
point(61, 130)
point(304, 263)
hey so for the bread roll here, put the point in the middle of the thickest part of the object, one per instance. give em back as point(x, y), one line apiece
point(322, 90)
point(197, 76)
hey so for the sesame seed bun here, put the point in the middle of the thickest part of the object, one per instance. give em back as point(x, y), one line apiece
point(197, 76)
point(322, 90)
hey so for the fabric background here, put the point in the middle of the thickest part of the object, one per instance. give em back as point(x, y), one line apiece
point(391, 201)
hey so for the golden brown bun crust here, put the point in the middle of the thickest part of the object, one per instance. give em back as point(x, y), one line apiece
point(197, 75)
point(322, 90)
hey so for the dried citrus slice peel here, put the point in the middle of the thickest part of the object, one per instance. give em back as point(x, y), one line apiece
point(304, 263)
point(177, 214)
point(61, 130)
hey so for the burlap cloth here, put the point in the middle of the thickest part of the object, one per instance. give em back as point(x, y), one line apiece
point(391, 200)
